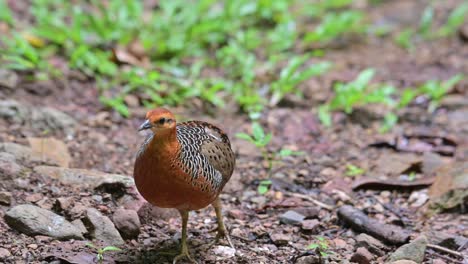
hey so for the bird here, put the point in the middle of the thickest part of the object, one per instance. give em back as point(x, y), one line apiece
point(184, 166)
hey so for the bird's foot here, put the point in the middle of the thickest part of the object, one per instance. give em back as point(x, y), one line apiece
point(183, 254)
point(222, 233)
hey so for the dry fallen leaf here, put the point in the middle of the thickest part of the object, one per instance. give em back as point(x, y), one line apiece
point(52, 149)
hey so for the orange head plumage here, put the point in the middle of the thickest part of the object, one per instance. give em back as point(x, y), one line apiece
point(158, 120)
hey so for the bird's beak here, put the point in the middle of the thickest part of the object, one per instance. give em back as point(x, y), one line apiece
point(145, 125)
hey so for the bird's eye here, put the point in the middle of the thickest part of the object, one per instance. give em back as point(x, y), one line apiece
point(162, 121)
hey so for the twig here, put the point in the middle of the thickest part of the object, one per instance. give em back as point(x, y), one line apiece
point(305, 197)
point(445, 250)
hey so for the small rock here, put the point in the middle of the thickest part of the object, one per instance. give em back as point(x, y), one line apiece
point(127, 222)
point(291, 218)
point(260, 200)
point(4, 253)
point(80, 226)
point(310, 225)
point(370, 243)
point(224, 252)
point(101, 228)
point(86, 178)
point(77, 211)
point(33, 198)
point(56, 150)
point(32, 220)
point(412, 251)
point(9, 169)
point(312, 259)
point(362, 256)
point(339, 243)
point(236, 214)
point(308, 212)
point(438, 261)
point(38, 118)
point(43, 239)
point(280, 239)
point(8, 79)
point(63, 203)
point(148, 212)
point(5, 198)
point(403, 261)
point(33, 246)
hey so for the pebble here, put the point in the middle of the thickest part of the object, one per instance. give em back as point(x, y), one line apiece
point(310, 225)
point(280, 239)
point(291, 218)
point(224, 252)
point(414, 251)
point(4, 253)
point(370, 243)
point(362, 256)
point(5, 198)
point(127, 222)
point(32, 220)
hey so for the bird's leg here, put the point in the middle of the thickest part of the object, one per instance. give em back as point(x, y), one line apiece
point(222, 232)
point(184, 250)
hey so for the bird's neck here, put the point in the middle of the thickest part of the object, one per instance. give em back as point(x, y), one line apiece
point(165, 140)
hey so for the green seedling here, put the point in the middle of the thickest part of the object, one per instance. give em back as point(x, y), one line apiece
point(436, 90)
point(261, 140)
point(356, 93)
point(352, 170)
point(5, 13)
point(321, 246)
point(263, 186)
point(101, 251)
point(291, 76)
point(335, 25)
point(455, 20)
point(404, 39)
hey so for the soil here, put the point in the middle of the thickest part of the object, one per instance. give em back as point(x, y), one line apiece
point(107, 142)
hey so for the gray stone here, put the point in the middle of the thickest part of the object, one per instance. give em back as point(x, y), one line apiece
point(38, 118)
point(291, 218)
point(362, 256)
point(412, 251)
point(310, 225)
point(32, 220)
point(101, 228)
point(403, 261)
point(224, 252)
point(280, 239)
point(127, 222)
point(311, 259)
point(5, 198)
point(9, 169)
point(80, 225)
point(8, 79)
point(370, 243)
point(85, 178)
point(25, 154)
point(4, 253)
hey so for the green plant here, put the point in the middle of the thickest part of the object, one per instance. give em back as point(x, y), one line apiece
point(404, 39)
point(261, 140)
point(101, 251)
point(321, 246)
point(455, 20)
point(358, 92)
point(352, 170)
point(5, 13)
point(334, 25)
point(291, 76)
point(436, 90)
point(263, 186)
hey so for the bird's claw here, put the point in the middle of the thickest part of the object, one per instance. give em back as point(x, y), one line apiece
point(183, 254)
point(222, 233)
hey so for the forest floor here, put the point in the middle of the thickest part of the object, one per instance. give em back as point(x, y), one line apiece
point(411, 180)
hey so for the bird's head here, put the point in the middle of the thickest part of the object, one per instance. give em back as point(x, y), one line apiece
point(158, 120)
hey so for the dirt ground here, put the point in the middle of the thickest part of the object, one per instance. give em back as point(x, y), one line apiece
point(314, 185)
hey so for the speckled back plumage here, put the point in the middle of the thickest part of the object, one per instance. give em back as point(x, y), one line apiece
point(205, 151)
